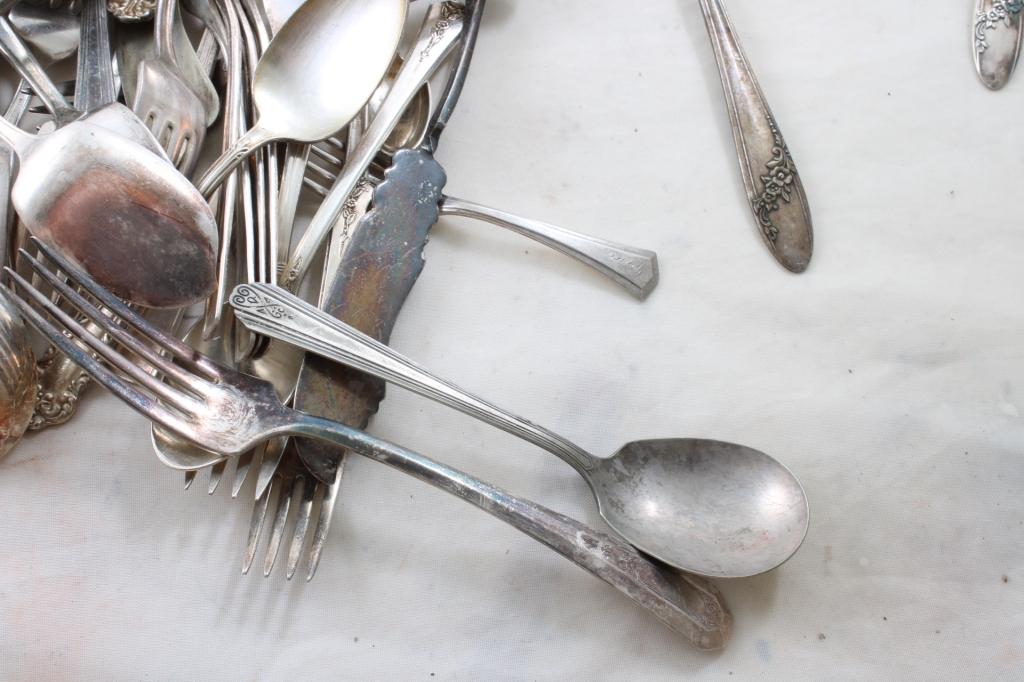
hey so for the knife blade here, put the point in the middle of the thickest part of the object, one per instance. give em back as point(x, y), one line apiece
point(380, 265)
point(997, 40)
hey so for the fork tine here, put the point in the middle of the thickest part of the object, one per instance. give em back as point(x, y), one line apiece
point(242, 467)
point(309, 488)
point(284, 501)
point(177, 347)
point(216, 474)
point(110, 326)
point(129, 393)
point(315, 169)
point(259, 515)
point(272, 455)
point(190, 477)
point(323, 522)
point(327, 155)
point(136, 373)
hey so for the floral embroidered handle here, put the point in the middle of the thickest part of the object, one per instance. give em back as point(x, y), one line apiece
point(996, 35)
point(773, 186)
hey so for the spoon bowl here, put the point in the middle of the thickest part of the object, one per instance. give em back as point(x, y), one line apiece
point(719, 509)
point(317, 73)
point(126, 215)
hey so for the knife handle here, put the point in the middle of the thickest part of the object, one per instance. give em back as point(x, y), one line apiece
point(634, 269)
point(997, 39)
point(770, 178)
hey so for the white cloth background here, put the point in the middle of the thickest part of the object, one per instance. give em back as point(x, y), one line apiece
point(888, 377)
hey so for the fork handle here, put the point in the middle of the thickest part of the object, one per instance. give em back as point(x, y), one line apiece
point(687, 604)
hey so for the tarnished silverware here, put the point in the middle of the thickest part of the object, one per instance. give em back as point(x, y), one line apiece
point(132, 10)
point(716, 509)
point(17, 377)
point(175, 99)
point(996, 35)
point(438, 36)
point(316, 75)
point(360, 250)
point(226, 411)
point(17, 361)
point(117, 208)
point(773, 185)
point(633, 268)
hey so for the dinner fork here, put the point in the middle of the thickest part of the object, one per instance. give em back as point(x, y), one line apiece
point(226, 411)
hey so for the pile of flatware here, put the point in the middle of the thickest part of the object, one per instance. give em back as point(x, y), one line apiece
point(181, 288)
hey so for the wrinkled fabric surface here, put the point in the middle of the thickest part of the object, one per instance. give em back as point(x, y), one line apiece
point(889, 378)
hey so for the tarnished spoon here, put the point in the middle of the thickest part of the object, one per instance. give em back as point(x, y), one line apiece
point(316, 74)
point(717, 509)
point(122, 212)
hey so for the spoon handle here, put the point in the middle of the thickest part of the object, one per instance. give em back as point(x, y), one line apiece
point(632, 268)
point(997, 34)
point(253, 139)
point(686, 604)
point(272, 311)
point(437, 38)
point(773, 186)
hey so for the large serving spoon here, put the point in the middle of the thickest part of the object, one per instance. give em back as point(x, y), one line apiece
point(122, 212)
point(712, 508)
point(316, 74)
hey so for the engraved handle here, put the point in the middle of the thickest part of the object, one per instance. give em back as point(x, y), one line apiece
point(773, 186)
point(686, 604)
point(271, 311)
point(996, 35)
point(634, 269)
point(438, 37)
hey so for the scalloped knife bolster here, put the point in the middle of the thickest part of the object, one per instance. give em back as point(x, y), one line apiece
point(380, 265)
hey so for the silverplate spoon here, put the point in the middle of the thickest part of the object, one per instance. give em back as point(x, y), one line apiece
point(316, 75)
point(773, 186)
point(996, 35)
point(716, 509)
point(122, 212)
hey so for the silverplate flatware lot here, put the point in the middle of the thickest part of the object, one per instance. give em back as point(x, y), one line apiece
point(136, 248)
point(226, 411)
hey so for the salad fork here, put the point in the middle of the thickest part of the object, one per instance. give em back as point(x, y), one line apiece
point(229, 412)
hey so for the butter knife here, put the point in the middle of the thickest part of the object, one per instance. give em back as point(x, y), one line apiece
point(996, 36)
point(382, 261)
point(770, 178)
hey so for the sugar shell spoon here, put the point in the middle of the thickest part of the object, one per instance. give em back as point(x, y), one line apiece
point(716, 509)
